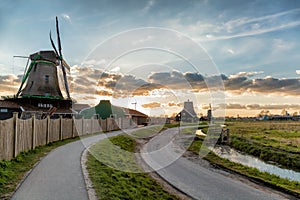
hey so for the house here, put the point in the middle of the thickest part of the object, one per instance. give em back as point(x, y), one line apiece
point(137, 117)
point(188, 113)
point(7, 108)
point(105, 110)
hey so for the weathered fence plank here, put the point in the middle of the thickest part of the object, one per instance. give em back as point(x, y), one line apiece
point(54, 130)
point(40, 132)
point(24, 135)
point(67, 129)
point(6, 139)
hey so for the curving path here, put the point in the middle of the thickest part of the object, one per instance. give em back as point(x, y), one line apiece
point(59, 175)
point(164, 154)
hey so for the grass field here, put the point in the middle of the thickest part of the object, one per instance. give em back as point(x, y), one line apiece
point(276, 141)
point(111, 183)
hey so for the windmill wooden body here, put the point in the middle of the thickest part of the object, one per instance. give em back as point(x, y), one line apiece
point(42, 77)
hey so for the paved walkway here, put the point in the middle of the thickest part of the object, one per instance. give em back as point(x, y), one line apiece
point(163, 154)
point(59, 175)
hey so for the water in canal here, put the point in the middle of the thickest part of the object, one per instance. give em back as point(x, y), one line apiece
point(250, 161)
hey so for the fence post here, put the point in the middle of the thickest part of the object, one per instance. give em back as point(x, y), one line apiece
point(48, 130)
point(61, 128)
point(73, 124)
point(106, 122)
point(33, 130)
point(92, 125)
point(82, 127)
point(15, 132)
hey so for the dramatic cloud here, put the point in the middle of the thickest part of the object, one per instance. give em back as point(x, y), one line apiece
point(238, 83)
point(178, 80)
point(151, 105)
point(93, 81)
point(89, 81)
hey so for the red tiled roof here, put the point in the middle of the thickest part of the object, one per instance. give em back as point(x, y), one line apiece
point(134, 112)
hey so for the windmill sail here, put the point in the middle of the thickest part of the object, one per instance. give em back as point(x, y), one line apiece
point(61, 60)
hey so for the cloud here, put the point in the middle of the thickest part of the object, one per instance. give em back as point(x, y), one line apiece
point(66, 17)
point(239, 27)
point(230, 51)
point(178, 80)
point(93, 62)
point(89, 81)
point(172, 104)
point(151, 105)
point(245, 74)
point(86, 80)
point(238, 83)
point(262, 106)
point(9, 84)
point(298, 71)
point(148, 6)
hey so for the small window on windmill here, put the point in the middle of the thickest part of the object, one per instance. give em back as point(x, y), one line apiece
point(34, 67)
point(46, 78)
point(31, 85)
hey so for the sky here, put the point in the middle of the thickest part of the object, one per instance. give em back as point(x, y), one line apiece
point(238, 55)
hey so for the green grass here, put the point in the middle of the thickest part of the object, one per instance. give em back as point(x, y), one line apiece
point(244, 170)
point(111, 183)
point(278, 142)
point(12, 172)
point(147, 132)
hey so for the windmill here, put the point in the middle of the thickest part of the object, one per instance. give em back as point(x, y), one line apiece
point(40, 86)
point(41, 76)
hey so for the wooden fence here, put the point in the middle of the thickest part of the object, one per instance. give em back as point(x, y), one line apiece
point(17, 135)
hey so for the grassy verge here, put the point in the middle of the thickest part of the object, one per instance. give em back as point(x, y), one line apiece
point(147, 132)
point(278, 142)
point(12, 172)
point(253, 173)
point(111, 183)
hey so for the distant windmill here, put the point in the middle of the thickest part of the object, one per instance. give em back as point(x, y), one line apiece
point(41, 76)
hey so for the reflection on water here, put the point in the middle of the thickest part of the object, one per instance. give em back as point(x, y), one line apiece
point(250, 161)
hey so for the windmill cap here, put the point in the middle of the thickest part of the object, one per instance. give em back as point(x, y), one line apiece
point(44, 55)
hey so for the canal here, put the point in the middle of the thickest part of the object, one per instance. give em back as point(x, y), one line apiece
point(251, 161)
